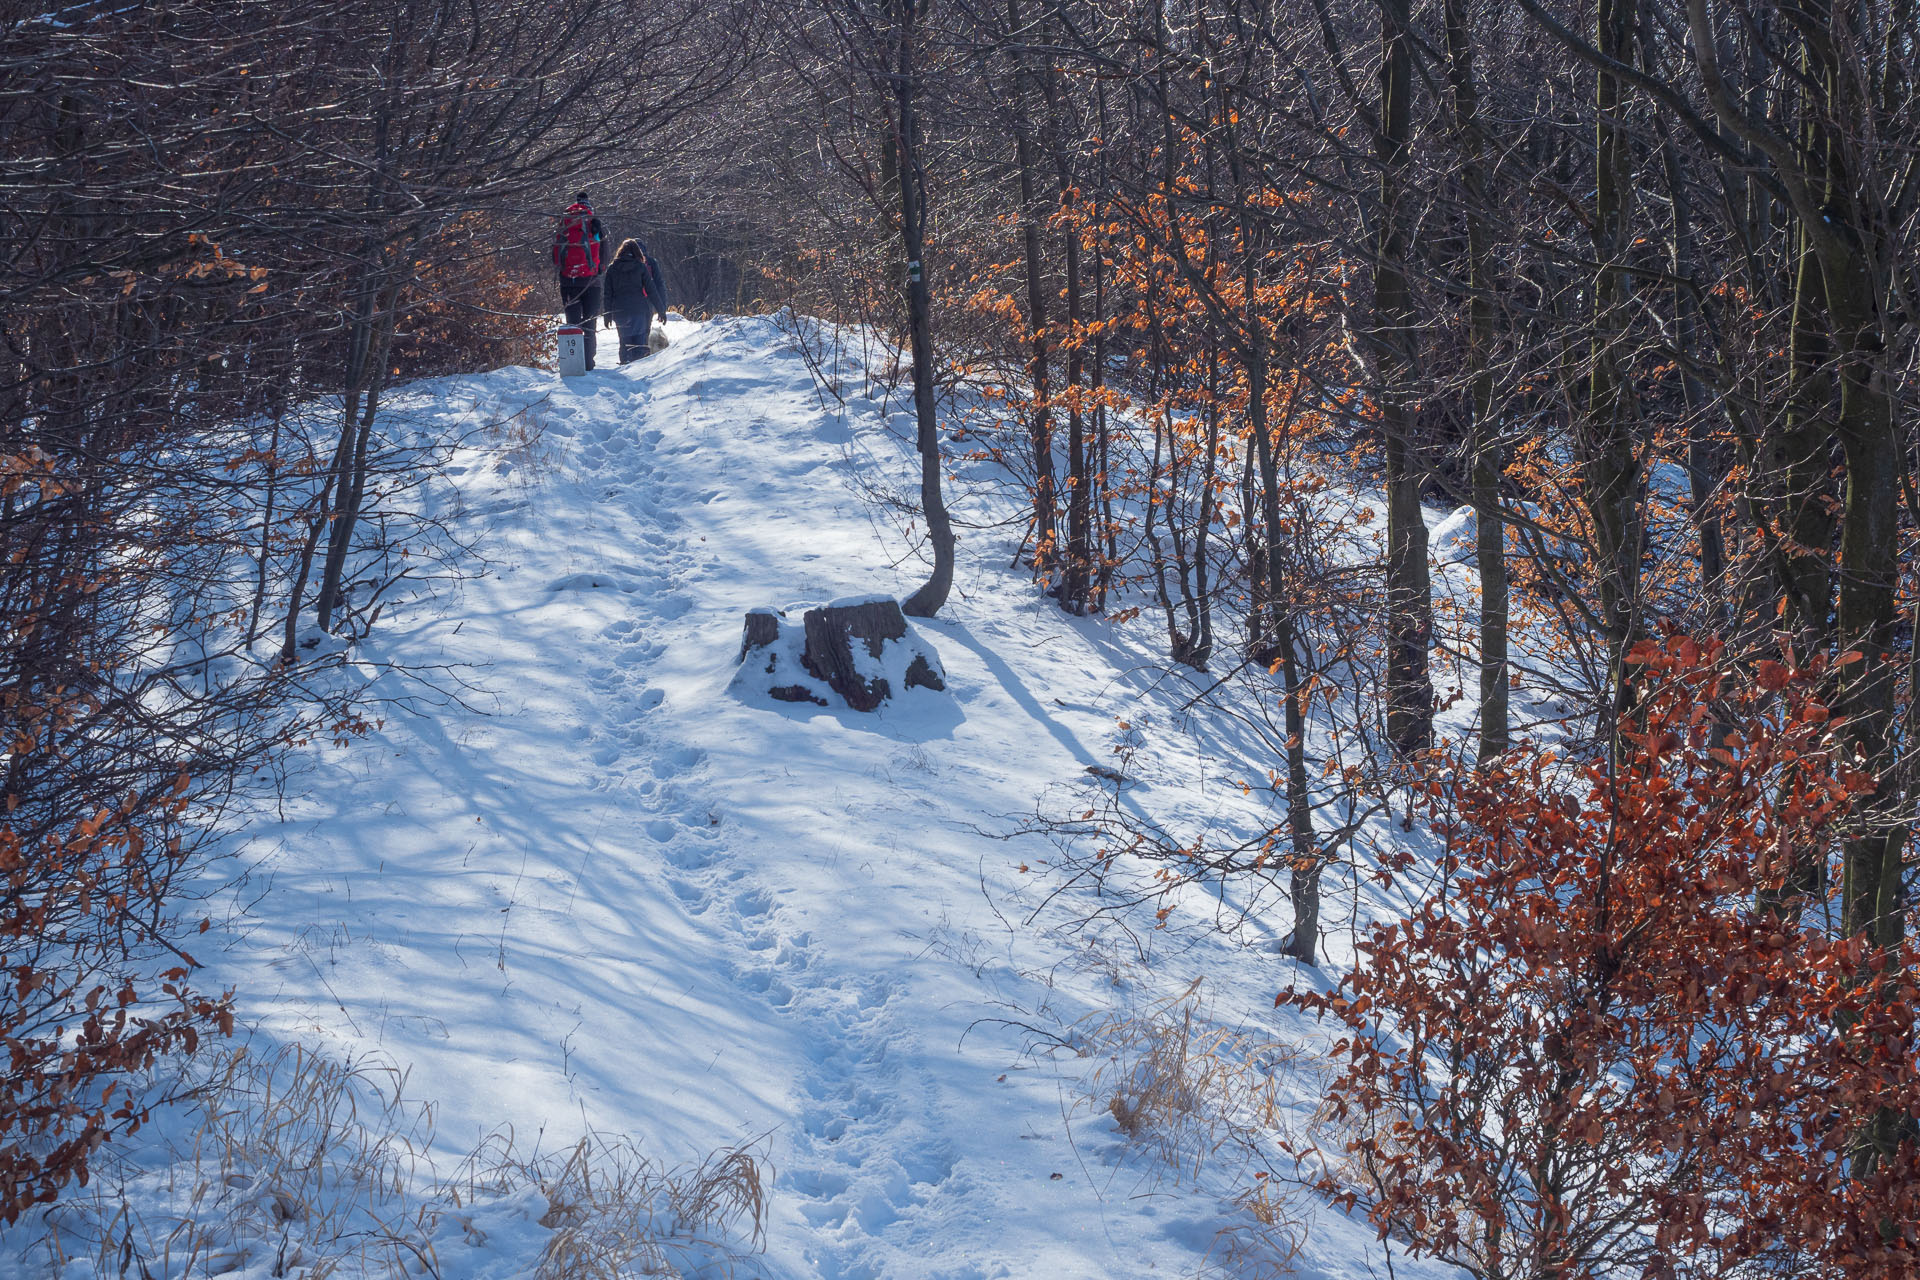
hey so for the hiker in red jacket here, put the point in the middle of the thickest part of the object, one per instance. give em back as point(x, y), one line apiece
point(579, 253)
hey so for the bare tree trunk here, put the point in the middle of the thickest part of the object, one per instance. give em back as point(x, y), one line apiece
point(1194, 645)
point(266, 517)
point(1040, 426)
point(1074, 579)
point(927, 601)
point(1106, 537)
point(1606, 433)
point(1706, 460)
point(1074, 583)
point(1200, 599)
point(1304, 889)
point(1409, 625)
point(350, 490)
point(338, 484)
point(1490, 530)
point(302, 566)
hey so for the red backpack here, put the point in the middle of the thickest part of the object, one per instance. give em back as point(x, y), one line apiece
point(576, 251)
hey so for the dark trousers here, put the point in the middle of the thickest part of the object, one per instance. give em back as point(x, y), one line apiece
point(581, 298)
point(633, 334)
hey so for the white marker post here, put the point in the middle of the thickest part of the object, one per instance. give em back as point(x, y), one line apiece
point(573, 351)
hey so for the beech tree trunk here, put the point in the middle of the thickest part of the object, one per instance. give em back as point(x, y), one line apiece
point(1040, 423)
point(1074, 578)
point(1490, 530)
point(1606, 426)
point(927, 601)
point(1409, 603)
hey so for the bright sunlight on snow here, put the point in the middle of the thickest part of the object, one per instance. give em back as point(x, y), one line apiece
point(601, 886)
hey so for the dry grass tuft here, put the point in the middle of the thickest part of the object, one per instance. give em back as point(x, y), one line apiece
point(290, 1164)
point(518, 439)
point(1193, 1093)
point(1180, 1085)
point(615, 1214)
point(290, 1156)
point(728, 1188)
point(1263, 1242)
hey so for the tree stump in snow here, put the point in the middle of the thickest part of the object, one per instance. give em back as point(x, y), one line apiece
point(921, 675)
point(762, 629)
point(859, 651)
point(831, 634)
point(761, 634)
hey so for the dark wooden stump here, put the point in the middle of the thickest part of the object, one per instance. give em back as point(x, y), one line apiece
point(832, 638)
point(921, 675)
point(762, 629)
point(831, 633)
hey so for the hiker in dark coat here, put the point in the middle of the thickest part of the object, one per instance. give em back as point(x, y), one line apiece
point(634, 297)
point(579, 253)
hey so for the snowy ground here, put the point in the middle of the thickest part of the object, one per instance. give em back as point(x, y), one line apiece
point(606, 891)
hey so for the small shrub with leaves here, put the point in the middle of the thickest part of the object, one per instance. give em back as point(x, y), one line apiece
point(1598, 1050)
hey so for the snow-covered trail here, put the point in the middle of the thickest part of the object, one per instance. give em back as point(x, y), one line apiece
point(606, 893)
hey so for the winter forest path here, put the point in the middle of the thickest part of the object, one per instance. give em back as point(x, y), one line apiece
point(600, 891)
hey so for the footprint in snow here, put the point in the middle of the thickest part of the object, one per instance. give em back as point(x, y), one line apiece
point(690, 858)
point(824, 1125)
point(672, 763)
point(929, 1166)
point(696, 898)
point(763, 982)
point(876, 1212)
point(636, 655)
point(599, 580)
point(817, 1184)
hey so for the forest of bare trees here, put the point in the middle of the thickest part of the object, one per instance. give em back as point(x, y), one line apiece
point(1629, 286)
point(226, 230)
